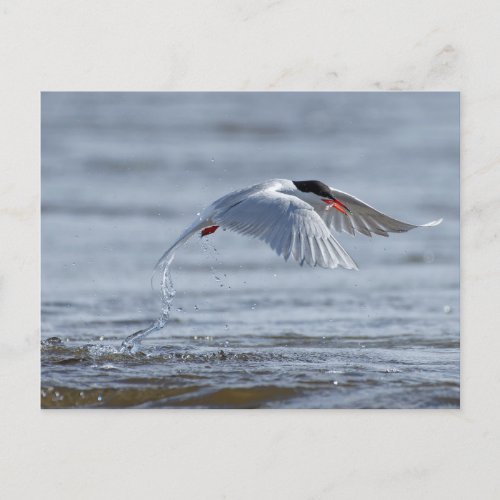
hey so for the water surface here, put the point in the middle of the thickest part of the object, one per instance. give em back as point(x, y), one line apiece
point(123, 174)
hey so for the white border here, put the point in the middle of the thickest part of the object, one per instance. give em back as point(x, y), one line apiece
point(242, 45)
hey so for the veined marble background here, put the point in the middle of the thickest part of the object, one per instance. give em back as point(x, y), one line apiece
point(242, 45)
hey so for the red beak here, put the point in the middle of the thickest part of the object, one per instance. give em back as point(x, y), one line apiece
point(337, 204)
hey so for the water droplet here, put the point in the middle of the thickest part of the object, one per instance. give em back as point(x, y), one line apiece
point(335, 382)
point(101, 338)
point(99, 398)
point(179, 309)
point(196, 308)
point(275, 275)
point(254, 306)
point(429, 257)
point(82, 394)
point(52, 341)
point(447, 309)
point(212, 160)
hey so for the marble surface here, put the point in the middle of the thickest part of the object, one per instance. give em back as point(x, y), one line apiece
point(241, 45)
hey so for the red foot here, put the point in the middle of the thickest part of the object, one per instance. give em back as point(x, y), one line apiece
point(208, 230)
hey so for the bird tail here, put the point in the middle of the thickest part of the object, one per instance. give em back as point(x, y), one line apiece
point(168, 256)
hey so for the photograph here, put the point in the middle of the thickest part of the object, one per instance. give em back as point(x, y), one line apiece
point(250, 250)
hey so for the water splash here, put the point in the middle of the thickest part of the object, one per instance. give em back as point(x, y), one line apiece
point(132, 342)
point(211, 252)
point(209, 248)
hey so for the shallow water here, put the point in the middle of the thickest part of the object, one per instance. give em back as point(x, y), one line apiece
point(122, 174)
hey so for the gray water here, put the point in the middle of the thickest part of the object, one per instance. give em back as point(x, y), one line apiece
point(124, 173)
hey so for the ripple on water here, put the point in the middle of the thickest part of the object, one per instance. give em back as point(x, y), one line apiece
point(254, 372)
point(193, 396)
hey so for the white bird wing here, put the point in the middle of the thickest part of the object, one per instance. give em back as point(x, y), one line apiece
point(290, 226)
point(363, 218)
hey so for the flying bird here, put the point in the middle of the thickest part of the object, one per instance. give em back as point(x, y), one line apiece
point(296, 219)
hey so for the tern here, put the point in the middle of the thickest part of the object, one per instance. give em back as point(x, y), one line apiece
point(296, 219)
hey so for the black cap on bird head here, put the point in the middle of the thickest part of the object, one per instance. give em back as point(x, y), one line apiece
point(317, 187)
point(323, 191)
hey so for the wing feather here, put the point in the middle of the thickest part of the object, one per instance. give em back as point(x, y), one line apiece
point(363, 218)
point(290, 226)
